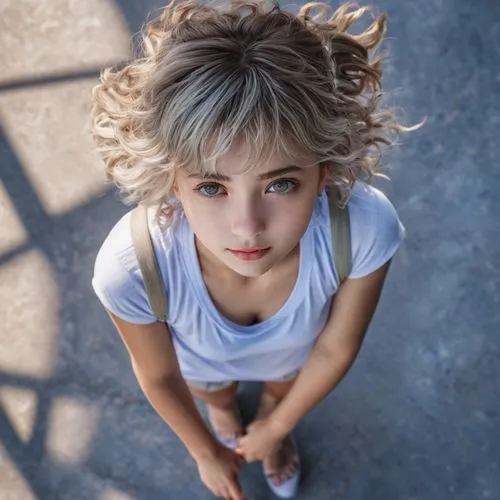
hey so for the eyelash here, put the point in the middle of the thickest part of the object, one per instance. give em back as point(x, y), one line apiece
point(293, 182)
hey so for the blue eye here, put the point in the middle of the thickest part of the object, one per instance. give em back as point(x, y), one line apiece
point(283, 186)
point(209, 190)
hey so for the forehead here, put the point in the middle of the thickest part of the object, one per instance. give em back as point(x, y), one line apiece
point(240, 160)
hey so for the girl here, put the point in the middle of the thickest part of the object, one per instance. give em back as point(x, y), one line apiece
point(236, 128)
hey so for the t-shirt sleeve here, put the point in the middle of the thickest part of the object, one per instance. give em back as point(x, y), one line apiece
point(119, 289)
point(376, 234)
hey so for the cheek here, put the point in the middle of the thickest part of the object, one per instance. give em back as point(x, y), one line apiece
point(292, 218)
point(205, 218)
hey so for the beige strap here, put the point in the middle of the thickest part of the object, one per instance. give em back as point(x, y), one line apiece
point(147, 262)
point(341, 236)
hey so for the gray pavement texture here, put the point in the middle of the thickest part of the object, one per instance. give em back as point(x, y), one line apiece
point(417, 418)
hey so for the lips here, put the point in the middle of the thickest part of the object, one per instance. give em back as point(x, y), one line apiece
point(250, 254)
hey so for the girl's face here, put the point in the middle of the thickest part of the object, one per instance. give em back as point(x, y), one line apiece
point(250, 221)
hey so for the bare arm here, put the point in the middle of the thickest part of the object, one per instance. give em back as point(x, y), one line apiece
point(335, 350)
point(156, 367)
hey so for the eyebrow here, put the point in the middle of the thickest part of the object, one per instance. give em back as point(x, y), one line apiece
point(266, 175)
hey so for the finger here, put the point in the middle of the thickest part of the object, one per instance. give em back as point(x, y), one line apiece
point(236, 465)
point(235, 490)
point(235, 496)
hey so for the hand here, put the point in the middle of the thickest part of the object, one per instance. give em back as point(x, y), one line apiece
point(219, 474)
point(261, 441)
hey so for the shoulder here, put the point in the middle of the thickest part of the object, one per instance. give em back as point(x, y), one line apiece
point(117, 249)
point(117, 279)
point(369, 205)
point(376, 230)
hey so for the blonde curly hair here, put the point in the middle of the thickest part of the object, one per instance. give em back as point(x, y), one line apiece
point(209, 74)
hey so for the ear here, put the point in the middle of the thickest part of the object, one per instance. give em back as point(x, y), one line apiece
point(324, 168)
point(175, 190)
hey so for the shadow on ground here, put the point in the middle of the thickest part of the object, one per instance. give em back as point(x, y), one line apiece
point(415, 418)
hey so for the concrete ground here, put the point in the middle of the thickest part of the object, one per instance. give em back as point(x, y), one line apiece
point(416, 418)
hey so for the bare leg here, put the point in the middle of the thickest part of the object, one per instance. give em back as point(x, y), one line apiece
point(283, 463)
point(222, 410)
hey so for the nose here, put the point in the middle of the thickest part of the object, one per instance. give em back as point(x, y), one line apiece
point(247, 219)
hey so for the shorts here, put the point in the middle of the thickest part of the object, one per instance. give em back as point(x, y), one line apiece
point(219, 386)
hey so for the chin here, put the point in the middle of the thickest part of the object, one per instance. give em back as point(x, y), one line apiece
point(257, 273)
point(252, 270)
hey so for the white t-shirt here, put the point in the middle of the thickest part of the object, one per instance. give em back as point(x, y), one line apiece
point(209, 347)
